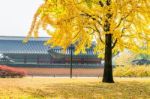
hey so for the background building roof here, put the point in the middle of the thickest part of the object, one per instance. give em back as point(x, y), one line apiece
point(14, 44)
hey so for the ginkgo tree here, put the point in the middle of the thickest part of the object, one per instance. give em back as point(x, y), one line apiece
point(114, 25)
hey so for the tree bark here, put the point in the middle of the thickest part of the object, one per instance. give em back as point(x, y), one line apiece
point(108, 72)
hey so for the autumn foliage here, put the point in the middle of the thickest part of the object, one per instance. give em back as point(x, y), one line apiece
point(132, 71)
point(6, 71)
point(80, 22)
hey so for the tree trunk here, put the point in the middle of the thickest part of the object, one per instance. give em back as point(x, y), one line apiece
point(108, 73)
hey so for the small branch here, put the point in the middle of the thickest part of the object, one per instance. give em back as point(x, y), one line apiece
point(99, 34)
point(92, 29)
point(118, 24)
point(92, 17)
point(123, 19)
point(76, 34)
point(114, 44)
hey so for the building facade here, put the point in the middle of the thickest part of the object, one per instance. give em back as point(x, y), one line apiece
point(34, 53)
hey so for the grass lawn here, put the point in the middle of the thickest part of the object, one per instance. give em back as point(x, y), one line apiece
point(76, 88)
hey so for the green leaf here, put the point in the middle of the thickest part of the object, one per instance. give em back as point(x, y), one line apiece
point(104, 1)
point(89, 3)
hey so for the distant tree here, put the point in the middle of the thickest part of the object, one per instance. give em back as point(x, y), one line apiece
point(113, 24)
point(125, 58)
point(129, 58)
point(143, 56)
point(141, 59)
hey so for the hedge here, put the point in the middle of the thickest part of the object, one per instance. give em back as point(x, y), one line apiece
point(10, 72)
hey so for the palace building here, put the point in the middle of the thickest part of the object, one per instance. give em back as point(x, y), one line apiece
point(14, 52)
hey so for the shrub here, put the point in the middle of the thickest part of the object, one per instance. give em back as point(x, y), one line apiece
point(132, 71)
point(6, 71)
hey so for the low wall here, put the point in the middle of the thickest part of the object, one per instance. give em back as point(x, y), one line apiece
point(87, 72)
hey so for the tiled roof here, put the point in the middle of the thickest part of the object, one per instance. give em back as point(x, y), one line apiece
point(15, 45)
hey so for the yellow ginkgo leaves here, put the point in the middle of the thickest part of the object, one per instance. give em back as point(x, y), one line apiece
point(80, 22)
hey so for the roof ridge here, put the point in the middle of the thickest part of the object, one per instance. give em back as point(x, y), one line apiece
point(21, 36)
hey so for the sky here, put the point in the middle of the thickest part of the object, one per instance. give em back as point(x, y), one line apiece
point(16, 16)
